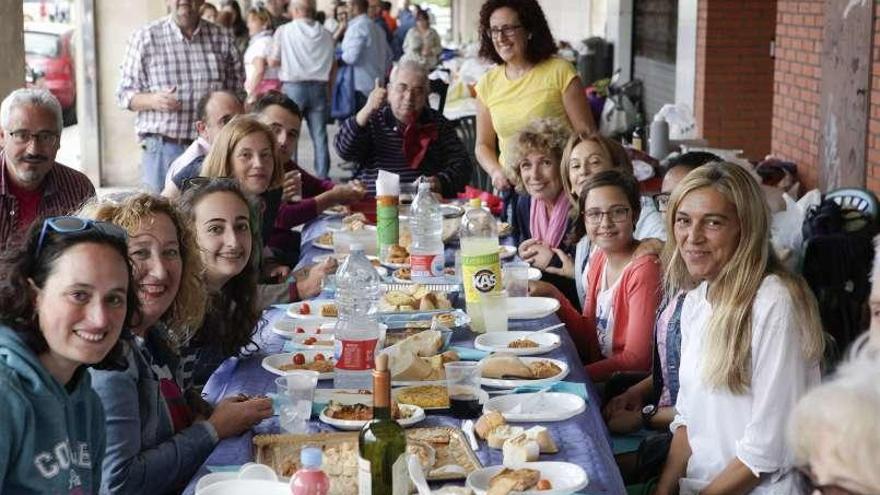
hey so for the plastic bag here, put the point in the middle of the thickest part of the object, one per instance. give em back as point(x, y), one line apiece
point(680, 117)
point(786, 232)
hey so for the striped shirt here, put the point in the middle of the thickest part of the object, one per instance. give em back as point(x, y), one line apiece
point(64, 190)
point(379, 145)
point(159, 57)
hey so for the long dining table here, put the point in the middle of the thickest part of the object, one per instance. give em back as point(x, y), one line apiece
point(582, 439)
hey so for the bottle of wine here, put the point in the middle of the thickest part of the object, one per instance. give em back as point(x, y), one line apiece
point(382, 468)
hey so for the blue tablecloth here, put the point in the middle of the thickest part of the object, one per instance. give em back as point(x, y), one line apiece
point(582, 440)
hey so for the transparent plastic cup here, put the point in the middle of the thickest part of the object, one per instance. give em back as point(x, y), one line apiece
point(494, 306)
point(516, 279)
point(463, 386)
point(296, 391)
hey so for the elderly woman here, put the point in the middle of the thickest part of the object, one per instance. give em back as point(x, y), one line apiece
point(751, 340)
point(155, 442)
point(834, 430)
point(541, 221)
point(422, 43)
point(65, 297)
point(530, 82)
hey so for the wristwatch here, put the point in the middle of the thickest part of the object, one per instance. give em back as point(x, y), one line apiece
point(648, 412)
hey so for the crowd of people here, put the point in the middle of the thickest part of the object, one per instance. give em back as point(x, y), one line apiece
point(115, 311)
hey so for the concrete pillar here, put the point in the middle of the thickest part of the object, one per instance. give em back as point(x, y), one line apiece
point(686, 53)
point(12, 43)
point(118, 151)
point(619, 31)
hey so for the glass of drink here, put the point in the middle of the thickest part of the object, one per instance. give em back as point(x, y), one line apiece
point(463, 386)
point(516, 279)
point(296, 390)
point(494, 308)
point(293, 186)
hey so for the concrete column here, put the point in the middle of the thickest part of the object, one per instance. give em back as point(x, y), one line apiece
point(12, 43)
point(686, 53)
point(117, 150)
point(619, 31)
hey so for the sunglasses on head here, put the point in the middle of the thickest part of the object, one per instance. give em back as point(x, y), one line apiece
point(197, 182)
point(71, 225)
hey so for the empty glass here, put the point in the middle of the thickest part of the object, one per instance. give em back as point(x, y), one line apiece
point(296, 390)
point(494, 308)
point(516, 279)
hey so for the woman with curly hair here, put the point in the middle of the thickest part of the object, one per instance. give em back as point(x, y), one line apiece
point(529, 82)
point(65, 296)
point(223, 219)
point(155, 442)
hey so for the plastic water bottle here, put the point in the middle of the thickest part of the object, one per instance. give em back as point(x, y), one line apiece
point(309, 479)
point(480, 260)
point(426, 225)
point(357, 329)
point(658, 140)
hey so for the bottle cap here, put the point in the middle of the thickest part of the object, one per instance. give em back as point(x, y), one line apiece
point(475, 202)
point(311, 457)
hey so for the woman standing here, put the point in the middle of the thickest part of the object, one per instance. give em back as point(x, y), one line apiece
point(422, 43)
point(530, 82)
point(64, 299)
point(260, 77)
point(751, 340)
point(155, 439)
point(231, 18)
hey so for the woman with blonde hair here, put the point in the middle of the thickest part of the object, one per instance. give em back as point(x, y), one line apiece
point(751, 340)
point(155, 442)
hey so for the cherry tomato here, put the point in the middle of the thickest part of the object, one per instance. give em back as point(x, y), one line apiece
point(305, 309)
point(319, 357)
point(318, 330)
point(300, 330)
point(299, 359)
point(310, 341)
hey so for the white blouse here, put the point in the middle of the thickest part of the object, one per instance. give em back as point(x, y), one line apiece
point(752, 426)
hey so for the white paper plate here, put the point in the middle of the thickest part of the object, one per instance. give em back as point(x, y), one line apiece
point(273, 363)
point(287, 327)
point(565, 477)
point(345, 396)
point(395, 266)
point(244, 487)
point(336, 211)
point(413, 383)
point(498, 341)
point(326, 247)
point(315, 314)
point(338, 227)
point(525, 408)
point(417, 415)
point(507, 252)
point(529, 308)
point(503, 383)
point(534, 274)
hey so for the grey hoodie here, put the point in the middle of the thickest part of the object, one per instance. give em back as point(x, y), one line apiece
point(51, 436)
point(306, 51)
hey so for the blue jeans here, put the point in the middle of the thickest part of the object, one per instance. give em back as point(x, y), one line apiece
point(158, 155)
point(312, 99)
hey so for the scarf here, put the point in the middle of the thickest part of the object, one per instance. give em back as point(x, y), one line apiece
point(416, 139)
point(549, 228)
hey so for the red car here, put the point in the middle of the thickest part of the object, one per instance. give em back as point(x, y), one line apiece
point(50, 59)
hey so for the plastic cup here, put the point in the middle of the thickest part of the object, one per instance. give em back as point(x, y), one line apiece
point(516, 279)
point(463, 387)
point(494, 308)
point(296, 391)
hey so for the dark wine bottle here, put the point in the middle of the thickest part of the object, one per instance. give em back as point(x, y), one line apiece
point(382, 468)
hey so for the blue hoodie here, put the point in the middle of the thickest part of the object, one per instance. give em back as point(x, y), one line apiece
point(51, 436)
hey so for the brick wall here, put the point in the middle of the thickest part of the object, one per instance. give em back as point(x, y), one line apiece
point(798, 74)
point(873, 154)
point(734, 80)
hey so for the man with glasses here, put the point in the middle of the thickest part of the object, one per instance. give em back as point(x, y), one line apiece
point(214, 110)
point(32, 184)
point(402, 135)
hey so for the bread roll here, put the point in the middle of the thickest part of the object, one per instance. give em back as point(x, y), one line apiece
point(405, 365)
point(520, 449)
point(487, 423)
point(500, 434)
point(542, 436)
point(505, 366)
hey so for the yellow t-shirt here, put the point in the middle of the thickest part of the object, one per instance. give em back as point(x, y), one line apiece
point(537, 94)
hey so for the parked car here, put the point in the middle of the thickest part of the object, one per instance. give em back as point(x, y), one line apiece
point(50, 62)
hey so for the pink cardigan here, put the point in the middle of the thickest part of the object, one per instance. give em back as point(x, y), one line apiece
point(635, 306)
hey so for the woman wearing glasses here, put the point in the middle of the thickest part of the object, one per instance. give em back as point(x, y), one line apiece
point(751, 340)
point(530, 82)
point(623, 289)
point(222, 218)
point(64, 298)
point(156, 440)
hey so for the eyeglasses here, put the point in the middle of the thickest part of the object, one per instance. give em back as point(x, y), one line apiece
point(617, 215)
point(505, 31)
point(197, 182)
point(24, 136)
point(661, 201)
point(72, 225)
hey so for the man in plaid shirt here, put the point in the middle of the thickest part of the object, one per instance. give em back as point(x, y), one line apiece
point(169, 65)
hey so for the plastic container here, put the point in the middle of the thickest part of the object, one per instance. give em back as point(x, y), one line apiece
point(426, 227)
point(658, 140)
point(309, 479)
point(480, 259)
point(357, 328)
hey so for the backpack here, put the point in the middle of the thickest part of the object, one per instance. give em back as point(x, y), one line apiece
point(838, 255)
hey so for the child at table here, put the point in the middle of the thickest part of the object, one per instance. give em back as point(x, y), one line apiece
point(623, 288)
point(154, 442)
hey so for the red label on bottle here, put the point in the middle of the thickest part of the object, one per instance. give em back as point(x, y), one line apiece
point(426, 265)
point(355, 355)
